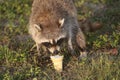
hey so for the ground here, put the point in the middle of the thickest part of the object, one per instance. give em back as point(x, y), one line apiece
point(18, 62)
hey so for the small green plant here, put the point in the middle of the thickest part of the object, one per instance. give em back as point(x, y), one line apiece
point(107, 41)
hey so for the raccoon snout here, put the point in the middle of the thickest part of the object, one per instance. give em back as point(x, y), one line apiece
point(56, 52)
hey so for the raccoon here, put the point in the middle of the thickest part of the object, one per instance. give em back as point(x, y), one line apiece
point(54, 21)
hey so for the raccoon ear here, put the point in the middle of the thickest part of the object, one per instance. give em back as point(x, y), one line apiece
point(38, 27)
point(61, 22)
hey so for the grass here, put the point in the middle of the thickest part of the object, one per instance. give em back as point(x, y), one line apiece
point(17, 62)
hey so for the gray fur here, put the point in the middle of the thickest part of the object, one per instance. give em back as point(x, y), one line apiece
point(46, 14)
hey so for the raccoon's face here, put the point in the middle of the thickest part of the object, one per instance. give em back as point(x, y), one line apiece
point(53, 46)
point(50, 36)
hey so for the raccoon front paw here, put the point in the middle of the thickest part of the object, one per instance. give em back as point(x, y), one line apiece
point(83, 54)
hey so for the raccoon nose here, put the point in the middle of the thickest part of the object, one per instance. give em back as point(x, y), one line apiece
point(56, 52)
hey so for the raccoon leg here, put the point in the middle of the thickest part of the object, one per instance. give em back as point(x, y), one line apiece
point(70, 46)
point(80, 39)
point(38, 48)
point(33, 47)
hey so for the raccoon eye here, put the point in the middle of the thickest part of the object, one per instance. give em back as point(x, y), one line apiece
point(59, 42)
point(47, 44)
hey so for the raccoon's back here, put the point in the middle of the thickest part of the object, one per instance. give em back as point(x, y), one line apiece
point(53, 9)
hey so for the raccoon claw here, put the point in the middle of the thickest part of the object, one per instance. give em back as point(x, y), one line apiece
point(83, 54)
